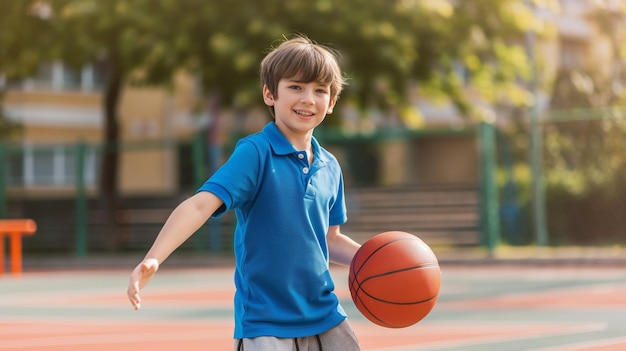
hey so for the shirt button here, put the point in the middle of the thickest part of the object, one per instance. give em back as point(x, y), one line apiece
point(305, 170)
point(300, 156)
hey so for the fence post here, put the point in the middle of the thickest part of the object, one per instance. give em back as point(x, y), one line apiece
point(490, 222)
point(198, 159)
point(4, 174)
point(538, 201)
point(81, 201)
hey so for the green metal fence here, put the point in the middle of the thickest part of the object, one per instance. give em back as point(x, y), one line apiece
point(583, 169)
point(582, 166)
point(442, 212)
point(585, 172)
point(57, 186)
point(70, 219)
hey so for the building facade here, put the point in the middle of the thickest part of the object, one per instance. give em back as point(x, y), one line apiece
point(61, 107)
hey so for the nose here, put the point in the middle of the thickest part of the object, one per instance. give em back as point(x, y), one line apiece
point(307, 97)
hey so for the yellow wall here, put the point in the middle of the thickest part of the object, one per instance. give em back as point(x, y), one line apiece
point(145, 117)
point(59, 98)
point(144, 120)
point(49, 132)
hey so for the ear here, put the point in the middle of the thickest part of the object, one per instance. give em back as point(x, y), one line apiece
point(331, 105)
point(268, 98)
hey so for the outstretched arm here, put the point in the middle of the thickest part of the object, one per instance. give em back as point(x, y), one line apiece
point(185, 220)
point(341, 248)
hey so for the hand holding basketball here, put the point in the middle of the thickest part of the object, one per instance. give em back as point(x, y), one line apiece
point(394, 279)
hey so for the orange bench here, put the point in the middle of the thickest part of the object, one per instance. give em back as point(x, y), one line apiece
point(14, 229)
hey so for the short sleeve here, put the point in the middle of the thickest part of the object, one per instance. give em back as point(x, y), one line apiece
point(235, 182)
point(338, 211)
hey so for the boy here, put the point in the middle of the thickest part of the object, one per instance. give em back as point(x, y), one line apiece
point(287, 192)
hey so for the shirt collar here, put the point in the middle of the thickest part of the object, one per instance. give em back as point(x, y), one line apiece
point(317, 150)
point(281, 146)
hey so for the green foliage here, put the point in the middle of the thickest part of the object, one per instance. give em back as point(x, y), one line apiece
point(586, 154)
point(593, 85)
point(520, 175)
point(7, 127)
point(584, 170)
point(385, 44)
point(24, 31)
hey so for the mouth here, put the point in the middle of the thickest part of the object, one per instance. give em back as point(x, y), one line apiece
point(304, 113)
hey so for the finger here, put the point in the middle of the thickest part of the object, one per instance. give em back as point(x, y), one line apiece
point(133, 288)
point(135, 300)
point(133, 294)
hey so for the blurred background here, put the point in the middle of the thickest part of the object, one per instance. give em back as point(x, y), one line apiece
point(472, 124)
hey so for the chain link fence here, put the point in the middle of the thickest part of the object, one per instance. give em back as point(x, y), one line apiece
point(584, 172)
point(583, 168)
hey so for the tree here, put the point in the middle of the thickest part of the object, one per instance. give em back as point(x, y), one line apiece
point(387, 47)
point(586, 145)
point(584, 148)
point(119, 34)
point(21, 22)
point(592, 85)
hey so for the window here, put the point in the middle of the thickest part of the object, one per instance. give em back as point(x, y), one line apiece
point(50, 166)
point(57, 76)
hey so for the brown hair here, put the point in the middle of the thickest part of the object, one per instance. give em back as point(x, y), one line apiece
point(304, 60)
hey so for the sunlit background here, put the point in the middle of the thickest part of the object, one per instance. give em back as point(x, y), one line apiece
point(480, 123)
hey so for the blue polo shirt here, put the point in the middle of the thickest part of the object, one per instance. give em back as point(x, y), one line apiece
point(284, 208)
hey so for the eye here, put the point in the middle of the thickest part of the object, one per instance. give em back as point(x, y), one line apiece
point(295, 87)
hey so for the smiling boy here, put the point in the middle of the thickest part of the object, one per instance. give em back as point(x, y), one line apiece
point(287, 193)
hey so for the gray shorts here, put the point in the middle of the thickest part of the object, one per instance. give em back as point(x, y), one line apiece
point(339, 338)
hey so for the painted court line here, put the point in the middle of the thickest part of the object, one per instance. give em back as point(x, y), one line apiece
point(110, 338)
point(36, 335)
point(609, 344)
point(594, 297)
point(438, 337)
point(189, 310)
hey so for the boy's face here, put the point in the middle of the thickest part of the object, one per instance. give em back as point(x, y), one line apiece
point(299, 106)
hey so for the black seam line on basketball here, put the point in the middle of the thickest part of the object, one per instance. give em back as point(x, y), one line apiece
point(355, 274)
point(427, 265)
point(398, 303)
point(382, 322)
point(375, 251)
point(359, 284)
point(363, 305)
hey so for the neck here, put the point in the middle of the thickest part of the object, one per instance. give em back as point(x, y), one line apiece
point(299, 140)
point(303, 145)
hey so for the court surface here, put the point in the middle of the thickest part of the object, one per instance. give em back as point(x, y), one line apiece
point(504, 308)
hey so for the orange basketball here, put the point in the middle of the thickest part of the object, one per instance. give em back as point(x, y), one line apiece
point(394, 279)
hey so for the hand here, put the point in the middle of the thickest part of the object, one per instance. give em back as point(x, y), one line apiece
point(140, 276)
